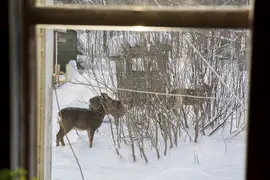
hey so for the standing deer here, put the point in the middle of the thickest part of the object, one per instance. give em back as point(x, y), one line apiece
point(176, 102)
point(117, 109)
point(83, 119)
point(94, 103)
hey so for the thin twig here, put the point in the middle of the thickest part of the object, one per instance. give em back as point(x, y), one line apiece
point(78, 163)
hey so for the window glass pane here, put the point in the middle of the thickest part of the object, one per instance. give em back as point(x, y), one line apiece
point(199, 134)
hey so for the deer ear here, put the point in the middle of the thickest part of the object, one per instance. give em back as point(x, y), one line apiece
point(104, 95)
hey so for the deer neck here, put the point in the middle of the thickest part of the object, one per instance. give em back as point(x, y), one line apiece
point(101, 110)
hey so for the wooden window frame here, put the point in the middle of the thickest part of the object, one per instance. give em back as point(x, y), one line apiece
point(29, 15)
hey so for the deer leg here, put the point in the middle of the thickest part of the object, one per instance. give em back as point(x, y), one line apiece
point(184, 117)
point(203, 112)
point(91, 133)
point(116, 122)
point(57, 140)
point(59, 137)
point(77, 133)
point(117, 131)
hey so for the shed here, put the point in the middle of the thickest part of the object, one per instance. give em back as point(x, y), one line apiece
point(65, 47)
point(141, 64)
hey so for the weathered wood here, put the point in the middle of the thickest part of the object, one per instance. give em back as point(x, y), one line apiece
point(210, 17)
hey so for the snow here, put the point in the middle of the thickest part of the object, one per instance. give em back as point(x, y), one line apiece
point(73, 69)
point(217, 158)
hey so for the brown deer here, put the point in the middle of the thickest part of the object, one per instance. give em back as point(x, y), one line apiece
point(94, 103)
point(117, 108)
point(176, 101)
point(83, 119)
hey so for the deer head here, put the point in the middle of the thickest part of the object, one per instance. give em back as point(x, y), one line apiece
point(106, 102)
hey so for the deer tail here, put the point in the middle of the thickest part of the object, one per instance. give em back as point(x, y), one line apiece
point(59, 119)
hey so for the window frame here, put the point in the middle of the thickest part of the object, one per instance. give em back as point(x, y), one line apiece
point(169, 17)
point(29, 15)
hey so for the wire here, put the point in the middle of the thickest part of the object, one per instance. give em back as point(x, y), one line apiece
point(166, 94)
point(222, 81)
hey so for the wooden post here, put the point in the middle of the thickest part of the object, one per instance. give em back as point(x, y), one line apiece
point(40, 101)
point(54, 80)
point(56, 72)
point(67, 75)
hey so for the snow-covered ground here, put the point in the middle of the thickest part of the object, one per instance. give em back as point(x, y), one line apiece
point(217, 159)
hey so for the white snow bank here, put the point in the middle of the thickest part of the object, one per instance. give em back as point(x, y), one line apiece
point(74, 73)
point(181, 173)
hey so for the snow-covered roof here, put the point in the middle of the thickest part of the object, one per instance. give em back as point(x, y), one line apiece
point(61, 29)
point(117, 43)
point(64, 29)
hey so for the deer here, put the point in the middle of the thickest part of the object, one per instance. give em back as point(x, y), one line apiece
point(117, 108)
point(177, 102)
point(94, 103)
point(83, 119)
point(117, 111)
